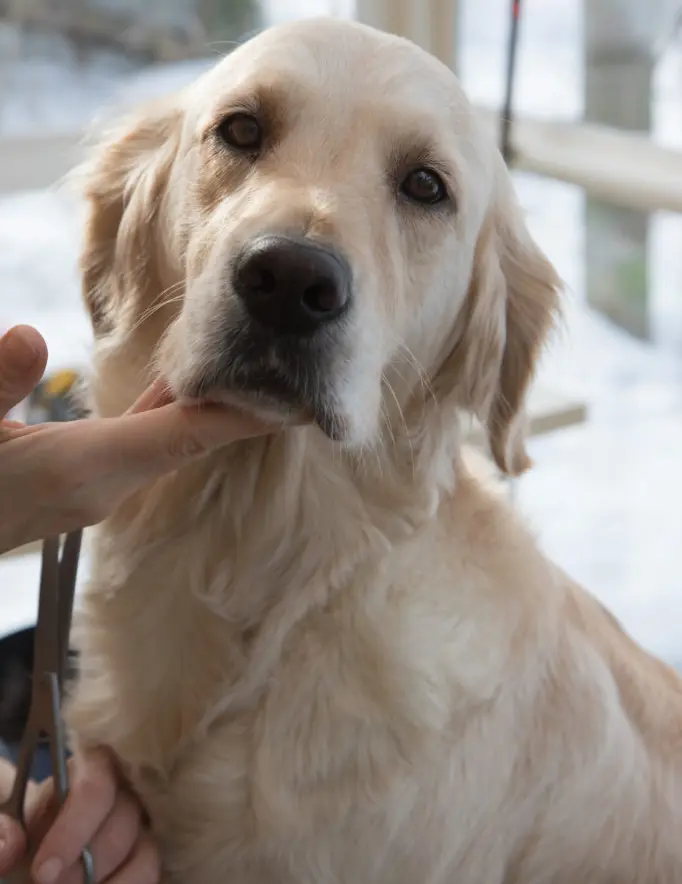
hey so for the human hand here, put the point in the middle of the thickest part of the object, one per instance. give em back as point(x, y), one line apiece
point(99, 813)
point(56, 477)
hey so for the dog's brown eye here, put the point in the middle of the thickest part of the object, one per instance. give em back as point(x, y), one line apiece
point(424, 186)
point(241, 131)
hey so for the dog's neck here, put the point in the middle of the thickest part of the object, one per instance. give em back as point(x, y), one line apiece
point(270, 514)
point(287, 506)
point(231, 552)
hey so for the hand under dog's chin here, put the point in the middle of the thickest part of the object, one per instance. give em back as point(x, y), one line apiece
point(270, 409)
point(262, 407)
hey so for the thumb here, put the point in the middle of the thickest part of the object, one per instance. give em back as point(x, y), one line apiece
point(12, 844)
point(165, 438)
point(23, 357)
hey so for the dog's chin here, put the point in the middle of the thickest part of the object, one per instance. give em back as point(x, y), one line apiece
point(272, 400)
point(285, 379)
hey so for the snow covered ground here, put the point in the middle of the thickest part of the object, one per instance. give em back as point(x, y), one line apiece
point(605, 497)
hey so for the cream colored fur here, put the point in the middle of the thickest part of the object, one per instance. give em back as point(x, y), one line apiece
point(326, 663)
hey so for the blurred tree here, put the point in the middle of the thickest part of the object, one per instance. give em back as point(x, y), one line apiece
point(229, 19)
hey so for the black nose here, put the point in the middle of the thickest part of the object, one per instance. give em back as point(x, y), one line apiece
point(291, 286)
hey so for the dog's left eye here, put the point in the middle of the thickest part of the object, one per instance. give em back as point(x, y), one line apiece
point(424, 186)
point(241, 131)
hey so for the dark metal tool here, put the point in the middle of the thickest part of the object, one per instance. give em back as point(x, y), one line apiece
point(55, 608)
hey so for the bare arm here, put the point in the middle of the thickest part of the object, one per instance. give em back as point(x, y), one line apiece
point(61, 476)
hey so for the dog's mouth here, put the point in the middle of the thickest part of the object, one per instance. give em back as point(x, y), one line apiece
point(280, 379)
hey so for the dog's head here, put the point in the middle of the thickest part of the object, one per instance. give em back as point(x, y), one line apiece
point(319, 228)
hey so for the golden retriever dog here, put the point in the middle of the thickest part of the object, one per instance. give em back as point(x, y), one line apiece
point(334, 655)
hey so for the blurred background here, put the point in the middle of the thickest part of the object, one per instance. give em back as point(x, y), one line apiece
point(597, 159)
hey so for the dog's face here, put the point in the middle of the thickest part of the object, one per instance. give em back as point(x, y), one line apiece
point(332, 225)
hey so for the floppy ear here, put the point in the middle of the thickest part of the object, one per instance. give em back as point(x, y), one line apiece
point(124, 186)
point(511, 305)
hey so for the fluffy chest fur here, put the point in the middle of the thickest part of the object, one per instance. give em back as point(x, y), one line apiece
point(276, 710)
point(391, 714)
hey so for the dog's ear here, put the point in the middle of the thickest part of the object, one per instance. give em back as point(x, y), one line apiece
point(124, 184)
point(511, 305)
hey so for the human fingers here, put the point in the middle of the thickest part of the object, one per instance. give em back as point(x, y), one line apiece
point(156, 395)
point(162, 439)
point(91, 799)
point(23, 357)
point(113, 844)
point(143, 866)
point(12, 844)
point(60, 476)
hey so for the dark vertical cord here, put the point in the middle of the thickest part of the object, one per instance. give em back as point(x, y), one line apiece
point(507, 110)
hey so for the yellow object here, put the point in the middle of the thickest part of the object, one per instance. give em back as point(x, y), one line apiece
point(60, 382)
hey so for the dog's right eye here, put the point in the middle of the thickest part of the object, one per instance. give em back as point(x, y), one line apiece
point(242, 132)
point(424, 186)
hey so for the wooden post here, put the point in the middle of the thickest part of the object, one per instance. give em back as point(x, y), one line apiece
point(619, 64)
point(432, 24)
point(445, 31)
